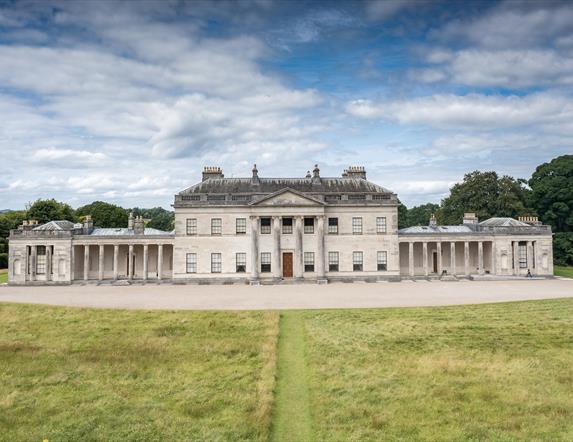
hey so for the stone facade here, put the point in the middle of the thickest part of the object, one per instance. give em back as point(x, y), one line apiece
point(264, 230)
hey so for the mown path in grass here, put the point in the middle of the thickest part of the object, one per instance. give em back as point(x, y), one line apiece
point(291, 417)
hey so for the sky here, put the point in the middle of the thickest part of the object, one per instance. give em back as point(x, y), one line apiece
point(127, 101)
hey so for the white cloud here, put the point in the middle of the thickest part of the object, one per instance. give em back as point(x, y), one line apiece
point(68, 158)
point(384, 9)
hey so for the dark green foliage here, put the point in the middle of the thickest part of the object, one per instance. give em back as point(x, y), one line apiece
point(563, 248)
point(552, 193)
point(50, 210)
point(402, 215)
point(158, 217)
point(104, 214)
point(486, 194)
point(420, 215)
point(3, 260)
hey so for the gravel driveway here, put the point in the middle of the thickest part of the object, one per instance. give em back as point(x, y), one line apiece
point(305, 296)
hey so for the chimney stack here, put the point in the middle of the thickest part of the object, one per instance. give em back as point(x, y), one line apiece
point(316, 175)
point(470, 218)
point(130, 221)
point(212, 172)
point(433, 221)
point(138, 226)
point(88, 225)
point(355, 172)
point(255, 179)
point(532, 220)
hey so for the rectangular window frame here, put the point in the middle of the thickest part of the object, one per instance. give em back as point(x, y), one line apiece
point(216, 226)
point(191, 226)
point(522, 255)
point(240, 262)
point(41, 260)
point(287, 227)
point(191, 263)
point(265, 228)
point(382, 260)
point(381, 226)
point(216, 262)
point(357, 225)
point(309, 225)
point(333, 261)
point(265, 262)
point(333, 226)
point(241, 226)
point(357, 261)
point(308, 259)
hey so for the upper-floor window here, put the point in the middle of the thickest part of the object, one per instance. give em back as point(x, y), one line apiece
point(241, 262)
point(309, 225)
point(357, 261)
point(241, 226)
point(265, 225)
point(382, 260)
point(216, 226)
point(191, 263)
point(216, 263)
point(333, 261)
point(265, 262)
point(357, 226)
point(309, 261)
point(333, 226)
point(287, 225)
point(191, 226)
point(381, 224)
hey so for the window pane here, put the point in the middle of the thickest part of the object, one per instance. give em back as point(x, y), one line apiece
point(191, 226)
point(265, 225)
point(241, 259)
point(216, 226)
point(309, 261)
point(522, 253)
point(381, 224)
point(309, 225)
point(191, 263)
point(241, 225)
point(287, 225)
point(333, 261)
point(265, 262)
point(357, 261)
point(215, 263)
point(357, 225)
point(333, 226)
point(382, 260)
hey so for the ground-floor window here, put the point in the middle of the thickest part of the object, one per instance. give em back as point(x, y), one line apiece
point(191, 260)
point(265, 262)
point(216, 263)
point(241, 262)
point(357, 261)
point(309, 261)
point(522, 255)
point(41, 260)
point(382, 260)
point(333, 261)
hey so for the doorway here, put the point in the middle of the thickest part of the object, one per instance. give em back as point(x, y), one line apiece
point(287, 265)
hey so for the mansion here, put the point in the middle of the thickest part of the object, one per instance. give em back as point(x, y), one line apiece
point(264, 230)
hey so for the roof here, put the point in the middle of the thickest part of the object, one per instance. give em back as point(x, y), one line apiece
point(271, 185)
point(56, 225)
point(437, 229)
point(124, 231)
point(503, 222)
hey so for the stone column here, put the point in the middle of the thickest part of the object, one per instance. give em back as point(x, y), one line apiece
point(453, 257)
point(425, 257)
point(159, 261)
point(320, 247)
point(467, 258)
point(439, 255)
point(411, 258)
point(276, 255)
point(130, 262)
point(530, 256)
point(145, 259)
point(493, 260)
point(34, 260)
point(48, 263)
point(101, 262)
point(515, 248)
point(298, 261)
point(480, 258)
point(254, 248)
point(115, 260)
point(86, 261)
point(72, 262)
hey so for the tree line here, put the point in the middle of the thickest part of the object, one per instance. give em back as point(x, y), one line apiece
point(548, 194)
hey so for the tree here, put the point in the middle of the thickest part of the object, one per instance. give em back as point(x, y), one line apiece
point(49, 210)
point(402, 215)
point(563, 248)
point(487, 195)
point(10, 220)
point(104, 214)
point(552, 193)
point(420, 215)
point(163, 221)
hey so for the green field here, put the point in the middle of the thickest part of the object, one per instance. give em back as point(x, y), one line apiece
point(489, 372)
point(3, 276)
point(566, 272)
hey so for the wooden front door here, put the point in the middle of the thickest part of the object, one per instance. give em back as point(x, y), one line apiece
point(287, 265)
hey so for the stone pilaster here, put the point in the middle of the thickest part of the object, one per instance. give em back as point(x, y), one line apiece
point(320, 267)
point(425, 257)
point(298, 257)
point(159, 261)
point(48, 263)
point(530, 256)
point(130, 262)
point(411, 258)
point(33, 264)
point(276, 255)
point(453, 257)
point(145, 261)
point(254, 248)
point(439, 255)
point(115, 260)
point(101, 261)
point(86, 262)
point(480, 258)
point(467, 258)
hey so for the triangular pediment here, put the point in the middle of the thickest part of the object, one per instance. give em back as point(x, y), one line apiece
point(287, 197)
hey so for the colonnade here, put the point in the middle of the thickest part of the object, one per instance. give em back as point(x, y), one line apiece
point(298, 256)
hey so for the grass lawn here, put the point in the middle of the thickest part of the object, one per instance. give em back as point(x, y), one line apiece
point(3, 276)
point(567, 272)
point(85, 374)
point(489, 372)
